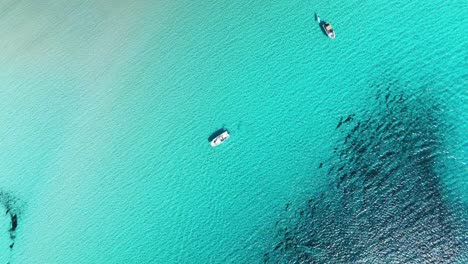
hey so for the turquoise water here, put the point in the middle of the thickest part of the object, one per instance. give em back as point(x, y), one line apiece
point(107, 108)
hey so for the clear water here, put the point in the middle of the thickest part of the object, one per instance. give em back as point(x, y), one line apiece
point(107, 108)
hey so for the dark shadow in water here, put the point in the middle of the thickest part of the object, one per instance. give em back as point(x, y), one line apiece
point(216, 133)
point(386, 204)
point(12, 207)
point(322, 27)
point(320, 24)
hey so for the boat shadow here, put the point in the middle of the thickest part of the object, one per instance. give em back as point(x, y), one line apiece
point(320, 24)
point(322, 28)
point(216, 133)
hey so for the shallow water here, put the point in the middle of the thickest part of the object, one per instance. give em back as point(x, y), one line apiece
point(107, 110)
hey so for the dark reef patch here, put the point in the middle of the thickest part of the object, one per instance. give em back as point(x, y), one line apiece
point(13, 207)
point(386, 203)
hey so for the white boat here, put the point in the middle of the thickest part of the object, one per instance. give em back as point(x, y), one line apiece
point(220, 139)
point(329, 30)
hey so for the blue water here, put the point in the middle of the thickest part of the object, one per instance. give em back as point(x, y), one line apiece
point(350, 150)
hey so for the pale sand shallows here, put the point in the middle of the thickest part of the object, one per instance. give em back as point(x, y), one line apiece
point(65, 71)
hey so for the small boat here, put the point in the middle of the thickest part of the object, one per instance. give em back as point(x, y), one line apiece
point(220, 139)
point(329, 30)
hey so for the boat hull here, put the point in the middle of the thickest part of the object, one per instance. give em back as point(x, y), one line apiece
point(329, 30)
point(220, 139)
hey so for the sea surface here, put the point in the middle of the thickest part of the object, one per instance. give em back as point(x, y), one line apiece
point(351, 150)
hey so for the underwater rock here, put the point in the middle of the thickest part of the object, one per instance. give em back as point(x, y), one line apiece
point(387, 205)
point(339, 123)
point(13, 207)
point(14, 222)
